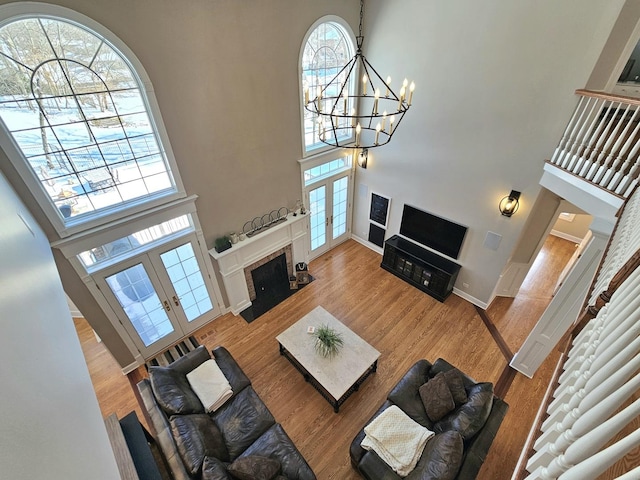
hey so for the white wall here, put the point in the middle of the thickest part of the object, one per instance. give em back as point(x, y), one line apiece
point(494, 91)
point(50, 422)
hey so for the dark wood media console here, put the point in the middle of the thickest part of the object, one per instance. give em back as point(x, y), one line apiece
point(426, 270)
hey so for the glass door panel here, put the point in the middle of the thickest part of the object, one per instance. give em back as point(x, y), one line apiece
point(340, 204)
point(145, 312)
point(318, 220)
point(186, 278)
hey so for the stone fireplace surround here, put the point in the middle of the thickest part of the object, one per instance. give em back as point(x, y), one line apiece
point(232, 264)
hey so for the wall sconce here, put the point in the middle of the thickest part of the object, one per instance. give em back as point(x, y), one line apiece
point(509, 204)
point(363, 157)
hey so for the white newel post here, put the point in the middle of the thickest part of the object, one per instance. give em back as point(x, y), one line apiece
point(232, 262)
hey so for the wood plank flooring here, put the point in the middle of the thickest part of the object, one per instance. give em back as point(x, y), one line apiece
point(401, 322)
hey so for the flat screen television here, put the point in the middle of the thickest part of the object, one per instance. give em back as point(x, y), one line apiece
point(432, 231)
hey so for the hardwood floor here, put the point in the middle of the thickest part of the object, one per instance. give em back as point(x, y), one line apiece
point(403, 323)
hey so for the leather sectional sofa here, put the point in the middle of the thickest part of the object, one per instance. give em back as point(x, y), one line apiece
point(197, 444)
point(473, 424)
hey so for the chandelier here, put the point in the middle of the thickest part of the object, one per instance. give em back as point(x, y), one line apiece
point(364, 120)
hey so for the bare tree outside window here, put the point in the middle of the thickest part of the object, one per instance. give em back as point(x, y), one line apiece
point(76, 110)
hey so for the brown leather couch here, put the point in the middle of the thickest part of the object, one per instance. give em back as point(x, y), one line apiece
point(243, 426)
point(434, 461)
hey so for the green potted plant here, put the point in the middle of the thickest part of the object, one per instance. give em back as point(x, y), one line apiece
point(222, 243)
point(328, 341)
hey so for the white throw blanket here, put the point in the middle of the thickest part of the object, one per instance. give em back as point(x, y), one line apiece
point(210, 385)
point(397, 439)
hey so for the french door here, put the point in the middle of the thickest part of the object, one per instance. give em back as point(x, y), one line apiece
point(329, 201)
point(160, 296)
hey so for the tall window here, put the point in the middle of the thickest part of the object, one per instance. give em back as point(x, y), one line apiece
point(327, 49)
point(79, 117)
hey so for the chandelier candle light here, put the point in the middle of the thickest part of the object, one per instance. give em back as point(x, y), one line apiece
point(356, 121)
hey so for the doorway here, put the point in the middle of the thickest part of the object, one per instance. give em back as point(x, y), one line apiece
point(159, 296)
point(328, 190)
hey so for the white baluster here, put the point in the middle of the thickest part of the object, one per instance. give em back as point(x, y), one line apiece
point(570, 144)
point(591, 141)
point(598, 463)
point(604, 139)
point(615, 181)
point(582, 105)
point(583, 140)
point(594, 408)
point(600, 134)
point(611, 146)
point(631, 474)
point(587, 445)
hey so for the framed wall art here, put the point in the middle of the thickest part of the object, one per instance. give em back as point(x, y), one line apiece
point(379, 209)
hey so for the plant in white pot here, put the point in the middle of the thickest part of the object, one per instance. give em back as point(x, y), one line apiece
point(328, 341)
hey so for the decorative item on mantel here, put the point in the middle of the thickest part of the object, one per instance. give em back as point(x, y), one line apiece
point(328, 341)
point(267, 220)
point(222, 243)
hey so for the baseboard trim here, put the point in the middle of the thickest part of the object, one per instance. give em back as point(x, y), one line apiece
point(367, 244)
point(470, 298)
point(566, 236)
point(133, 365)
point(457, 292)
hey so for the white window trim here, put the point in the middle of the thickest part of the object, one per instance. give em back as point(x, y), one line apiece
point(326, 157)
point(16, 11)
point(326, 19)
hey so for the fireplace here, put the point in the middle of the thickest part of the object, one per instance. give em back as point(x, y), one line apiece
point(282, 274)
point(236, 264)
point(268, 282)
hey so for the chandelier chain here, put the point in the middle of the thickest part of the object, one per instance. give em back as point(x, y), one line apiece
point(361, 17)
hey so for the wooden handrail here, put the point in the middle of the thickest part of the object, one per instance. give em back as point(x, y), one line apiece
point(608, 96)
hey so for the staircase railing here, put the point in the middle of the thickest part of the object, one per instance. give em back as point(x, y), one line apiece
point(601, 143)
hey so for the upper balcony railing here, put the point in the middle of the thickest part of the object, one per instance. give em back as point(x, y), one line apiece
point(601, 143)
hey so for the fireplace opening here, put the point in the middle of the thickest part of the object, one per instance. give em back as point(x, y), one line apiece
point(271, 281)
point(268, 285)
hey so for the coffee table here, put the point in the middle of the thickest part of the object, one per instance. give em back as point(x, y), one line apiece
point(336, 378)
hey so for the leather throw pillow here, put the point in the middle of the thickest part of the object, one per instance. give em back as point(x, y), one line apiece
point(197, 436)
point(254, 467)
point(455, 383)
point(436, 398)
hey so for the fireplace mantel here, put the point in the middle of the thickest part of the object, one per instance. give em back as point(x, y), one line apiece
point(232, 262)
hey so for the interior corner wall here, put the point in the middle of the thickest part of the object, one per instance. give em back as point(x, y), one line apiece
point(80, 295)
point(620, 44)
point(495, 84)
point(50, 420)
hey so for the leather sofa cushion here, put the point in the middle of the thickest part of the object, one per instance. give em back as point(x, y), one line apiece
point(469, 418)
point(214, 469)
point(254, 467)
point(196, 437)
point(441, 458)
point(436, 398)
point(275, 443)
point(235, 376)
point(173, 392)
point(406, 393)
point(242, 420)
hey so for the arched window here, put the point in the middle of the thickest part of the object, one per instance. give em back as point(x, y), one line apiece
point(327, 48)
point(78, 118)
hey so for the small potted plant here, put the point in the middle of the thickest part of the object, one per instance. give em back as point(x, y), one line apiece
point(222, 243)
point(328, 341)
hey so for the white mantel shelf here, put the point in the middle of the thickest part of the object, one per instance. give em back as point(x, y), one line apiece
point(232, 262)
